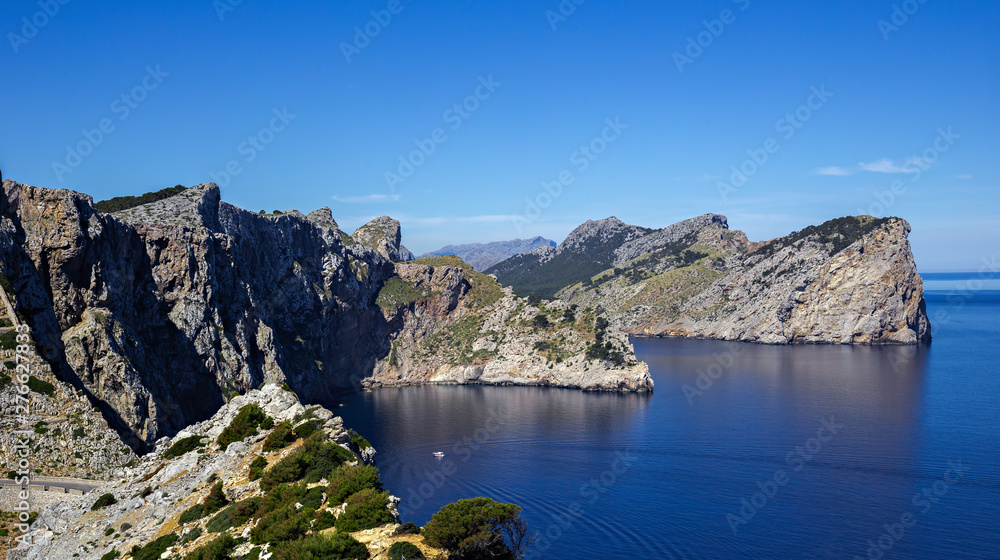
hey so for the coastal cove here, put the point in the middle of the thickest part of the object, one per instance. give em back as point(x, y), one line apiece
point(810, 451)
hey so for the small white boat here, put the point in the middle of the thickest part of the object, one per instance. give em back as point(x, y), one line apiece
point(439, 454)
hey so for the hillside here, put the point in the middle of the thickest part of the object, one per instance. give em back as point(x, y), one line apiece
point(482, 256)
point(586, 251)
point(263, 476)
point(848, 281)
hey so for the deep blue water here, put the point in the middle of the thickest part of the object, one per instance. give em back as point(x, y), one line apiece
point(916, 449)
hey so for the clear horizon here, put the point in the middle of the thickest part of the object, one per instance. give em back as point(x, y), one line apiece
point(479, 123)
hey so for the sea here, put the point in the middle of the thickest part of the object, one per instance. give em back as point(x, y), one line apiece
point(743, 451)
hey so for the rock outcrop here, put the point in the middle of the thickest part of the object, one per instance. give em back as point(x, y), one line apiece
point(383, 234)
point(848, 281)
point(457, 326)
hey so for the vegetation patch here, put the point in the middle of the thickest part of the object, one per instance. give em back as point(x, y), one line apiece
point(193, 513)
point(346, 481)
point(322, 547)
point(365, 510)
point(479, 528)
point(403, 550)
point(280, 437)
point(155, 549)
point(838, 233)
point(120, 203)
point(183, 446)
point(41, 386)
point(397, 292)
point(257, 468)
point(245, 424)
point(316, 460)
point(104, 501)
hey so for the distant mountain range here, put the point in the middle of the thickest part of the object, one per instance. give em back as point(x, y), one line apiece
point(850, 280)
point(484, 255)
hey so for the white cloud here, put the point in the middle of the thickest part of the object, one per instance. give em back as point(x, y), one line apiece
point(367, 199)
point(888, 166)
point(833, 170)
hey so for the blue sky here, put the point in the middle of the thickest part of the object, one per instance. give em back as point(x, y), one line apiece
point(309, 113)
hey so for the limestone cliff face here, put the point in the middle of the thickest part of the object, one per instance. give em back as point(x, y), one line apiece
point(455, 325)
point(848, 281)
point(161, 311)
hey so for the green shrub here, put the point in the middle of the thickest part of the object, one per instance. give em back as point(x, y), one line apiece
point(182, 446)
point(324, 520)
point(257, 468)
point(233, 516)
point(109, 531)
point(10, 365)
point(322, 547)
point(5, 380)
point(219, 549)
point(281, 496)
point(477, 528)
point(111, 555)
point(405, 551)
point(79, 433)
point(359, 442)
point(41, 386)
point(285, 524)
point(193, 513)
point(155, 549)
point(346, 481)
point(216, 499)
point(104, 501)
point(245, 424)
point(313, 498)
point(314, 461)
point(8, 340)
point(365, 510)
point(408, 528)
point(280, 437)
point(306, 429)
point(192, 535)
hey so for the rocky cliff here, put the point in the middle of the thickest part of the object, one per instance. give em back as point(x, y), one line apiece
point(161, 312)
point(847, 281)
point(454, 325)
